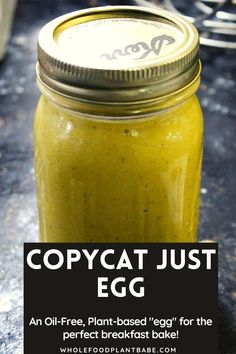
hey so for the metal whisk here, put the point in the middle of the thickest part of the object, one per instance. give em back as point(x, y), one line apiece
point(215, 19)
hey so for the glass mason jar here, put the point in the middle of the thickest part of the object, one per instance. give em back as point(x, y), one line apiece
point(118, 128)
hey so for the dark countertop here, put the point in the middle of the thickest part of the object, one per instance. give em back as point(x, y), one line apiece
point(18, 214)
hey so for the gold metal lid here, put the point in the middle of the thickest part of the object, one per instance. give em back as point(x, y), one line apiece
point(118, 54)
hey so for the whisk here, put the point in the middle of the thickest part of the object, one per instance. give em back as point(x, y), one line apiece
point(215, 19)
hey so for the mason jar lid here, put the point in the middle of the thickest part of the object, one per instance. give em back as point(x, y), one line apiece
point(118, 54)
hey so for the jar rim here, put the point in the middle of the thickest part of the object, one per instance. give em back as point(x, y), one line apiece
point(120, 110)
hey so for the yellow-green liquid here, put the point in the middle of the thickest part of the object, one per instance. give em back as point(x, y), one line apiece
point(133, 180)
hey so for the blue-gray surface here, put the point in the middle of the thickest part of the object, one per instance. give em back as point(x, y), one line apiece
point(18, 216)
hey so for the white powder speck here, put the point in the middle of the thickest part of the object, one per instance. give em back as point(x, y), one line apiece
point(19, 89)
point(4, 91)
point(5, 305)
point(204, 191)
